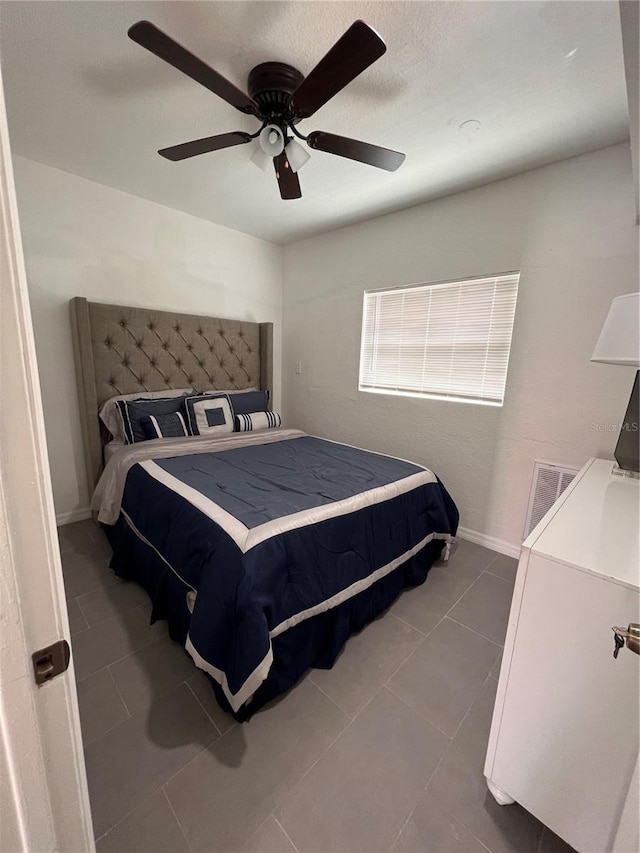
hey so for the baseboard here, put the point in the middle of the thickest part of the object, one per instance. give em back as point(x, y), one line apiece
point(489, 542)
point(75, 515)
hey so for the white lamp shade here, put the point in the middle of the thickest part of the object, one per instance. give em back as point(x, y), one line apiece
point(296, 155)
point(262, 160)
point(619, 341)
point(271, 140)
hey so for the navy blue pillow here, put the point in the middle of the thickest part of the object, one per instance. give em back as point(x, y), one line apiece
point(248, 402)
point(164, 426)
point(133, 412)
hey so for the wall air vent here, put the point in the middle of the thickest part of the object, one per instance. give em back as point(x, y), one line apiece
point(548, 482)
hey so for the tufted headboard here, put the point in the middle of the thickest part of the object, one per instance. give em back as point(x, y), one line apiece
point(121, 350)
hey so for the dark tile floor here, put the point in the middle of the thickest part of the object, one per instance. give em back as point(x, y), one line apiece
point(382, 753)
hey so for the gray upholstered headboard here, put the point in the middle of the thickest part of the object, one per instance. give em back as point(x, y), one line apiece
point(121, 350)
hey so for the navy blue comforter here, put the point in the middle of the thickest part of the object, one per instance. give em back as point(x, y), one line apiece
point(262, 538)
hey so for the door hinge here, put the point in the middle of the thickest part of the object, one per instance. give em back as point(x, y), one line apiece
point(51, 661)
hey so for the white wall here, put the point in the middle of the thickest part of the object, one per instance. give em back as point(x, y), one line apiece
point(570, 228)
point(84, 239)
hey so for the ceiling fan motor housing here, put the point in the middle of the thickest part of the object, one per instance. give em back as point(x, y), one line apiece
point(271, 85)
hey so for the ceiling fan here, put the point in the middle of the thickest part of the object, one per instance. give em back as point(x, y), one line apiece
point(280, 97)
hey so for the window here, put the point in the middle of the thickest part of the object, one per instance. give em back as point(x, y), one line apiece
point(446, 341)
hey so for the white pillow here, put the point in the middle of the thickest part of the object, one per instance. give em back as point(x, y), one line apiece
point(209, 415)
point(256, 421)
point(110, 416)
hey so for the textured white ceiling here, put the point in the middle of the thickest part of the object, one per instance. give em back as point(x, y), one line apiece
point(471, 91)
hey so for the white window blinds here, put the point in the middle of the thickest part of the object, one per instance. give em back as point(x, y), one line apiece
point(448, 341)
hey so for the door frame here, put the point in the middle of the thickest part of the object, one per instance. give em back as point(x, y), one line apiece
point(44, 802)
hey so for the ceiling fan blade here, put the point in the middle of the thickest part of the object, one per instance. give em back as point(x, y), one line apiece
point(203, 146)
point(149, 36)
point(287, 180)
point(372, 155)
point(355, 51)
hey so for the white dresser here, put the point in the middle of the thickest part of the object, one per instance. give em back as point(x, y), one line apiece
point(564, 735)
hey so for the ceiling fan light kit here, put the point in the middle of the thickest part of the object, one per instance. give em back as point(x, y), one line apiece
point(280, 97)
point(261, 159)
point(271, 140)
point(296, 155)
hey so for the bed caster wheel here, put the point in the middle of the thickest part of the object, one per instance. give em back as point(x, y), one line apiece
point(500, 796)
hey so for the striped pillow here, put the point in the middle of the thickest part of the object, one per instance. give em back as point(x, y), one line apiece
point(256, 421)
point(164, 426)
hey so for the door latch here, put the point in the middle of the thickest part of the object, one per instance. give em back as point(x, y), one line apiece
point(51, 661)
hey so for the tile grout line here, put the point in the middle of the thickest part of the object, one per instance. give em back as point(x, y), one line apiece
point(168, 801)
point(477, 633)
point(430, 632)
point(209, 717)
point(118, 612)
point(204, 749)
point(468, 711)
point(119, 692)
point(159, 788)
point(420, 714)
point(117, 660)
point(426, 785)
point(86, 743)
point(350, 722)
point(124, 817)
point(473, 702)
point(338, 706)
point(444, 754)
point(408, 624)
point(494, 575)
point(285, 832)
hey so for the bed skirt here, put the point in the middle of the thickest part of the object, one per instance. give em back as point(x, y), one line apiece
point(312, 644)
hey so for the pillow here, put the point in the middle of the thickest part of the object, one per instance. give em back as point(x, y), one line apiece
point(208, 415)
point(257, 420)
point(247, 402)
point(164, 426)
point(229, 391)
point(132, 412)
point(110, 416)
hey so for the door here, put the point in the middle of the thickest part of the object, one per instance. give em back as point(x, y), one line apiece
point(44, 804)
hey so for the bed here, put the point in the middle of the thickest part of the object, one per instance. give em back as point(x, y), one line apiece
point(263, 550)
